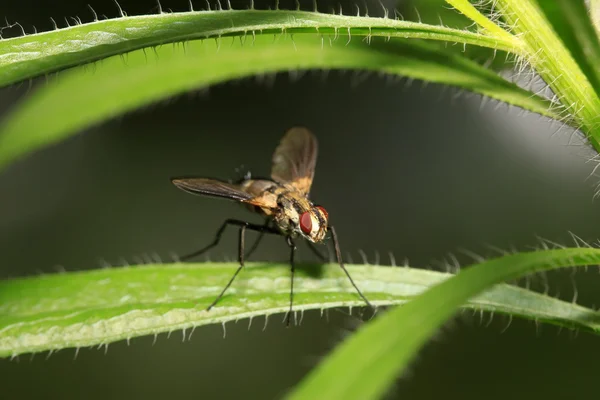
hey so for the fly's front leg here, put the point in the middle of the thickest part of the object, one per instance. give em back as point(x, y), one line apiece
point(314, 249)
point(338, 255)
point(292, 246)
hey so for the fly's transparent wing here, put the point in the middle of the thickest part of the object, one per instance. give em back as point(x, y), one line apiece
point(212, 188)
point(215, 188)
point(295, 159)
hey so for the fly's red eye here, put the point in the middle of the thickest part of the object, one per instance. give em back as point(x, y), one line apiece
point(324, 211)
point(306, 222)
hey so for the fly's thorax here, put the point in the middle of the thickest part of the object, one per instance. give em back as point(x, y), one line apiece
point(264, 195)
point(258, 187)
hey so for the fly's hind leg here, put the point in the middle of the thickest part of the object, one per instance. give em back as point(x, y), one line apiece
point(258, 239)
point(262, 229)
point(237, 271)
point(243, 226)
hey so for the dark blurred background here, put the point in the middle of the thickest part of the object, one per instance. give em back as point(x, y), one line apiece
point(413, 169)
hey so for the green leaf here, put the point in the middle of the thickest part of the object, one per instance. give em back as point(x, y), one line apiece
point(374, 356)
point(572, 23)
point(116, 86)
point(433, 12)
point(37, 54)
point(595, 15)
point(474, 14)
point(549, 57)
point(79, 309)
point(437, 12)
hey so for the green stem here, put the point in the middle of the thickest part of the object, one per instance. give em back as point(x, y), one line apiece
point(554, 64)
point(595, 15)
point(484, 22)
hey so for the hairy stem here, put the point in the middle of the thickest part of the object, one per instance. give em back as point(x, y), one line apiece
point(553, 62)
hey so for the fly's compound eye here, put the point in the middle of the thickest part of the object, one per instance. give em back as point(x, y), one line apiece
point(306, 222)
point(324, 211)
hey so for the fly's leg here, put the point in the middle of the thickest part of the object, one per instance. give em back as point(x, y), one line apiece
point(317, 252)
point(235, 222)
point(243, 226)
point(237, 271)
point(290, 243)
point(338, 255)
point(258, 240)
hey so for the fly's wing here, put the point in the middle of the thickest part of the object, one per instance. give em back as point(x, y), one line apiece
point(215, 188)
point(295, 159)
point(211, 188)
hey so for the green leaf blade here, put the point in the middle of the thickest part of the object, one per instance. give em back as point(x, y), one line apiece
point(33, 55)
point(116, 86)
point(371, 359)
point(92, 308)
point(571, 21)
point(553, 62)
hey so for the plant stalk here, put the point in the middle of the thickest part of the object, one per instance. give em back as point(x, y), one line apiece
point(553, 62)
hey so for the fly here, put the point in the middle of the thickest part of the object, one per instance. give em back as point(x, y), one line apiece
point(282, 200)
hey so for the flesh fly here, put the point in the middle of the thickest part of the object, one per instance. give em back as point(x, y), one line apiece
point(283, 200)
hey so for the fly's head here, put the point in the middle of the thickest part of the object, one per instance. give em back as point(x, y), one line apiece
point(299, 217)
point(312, 224)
